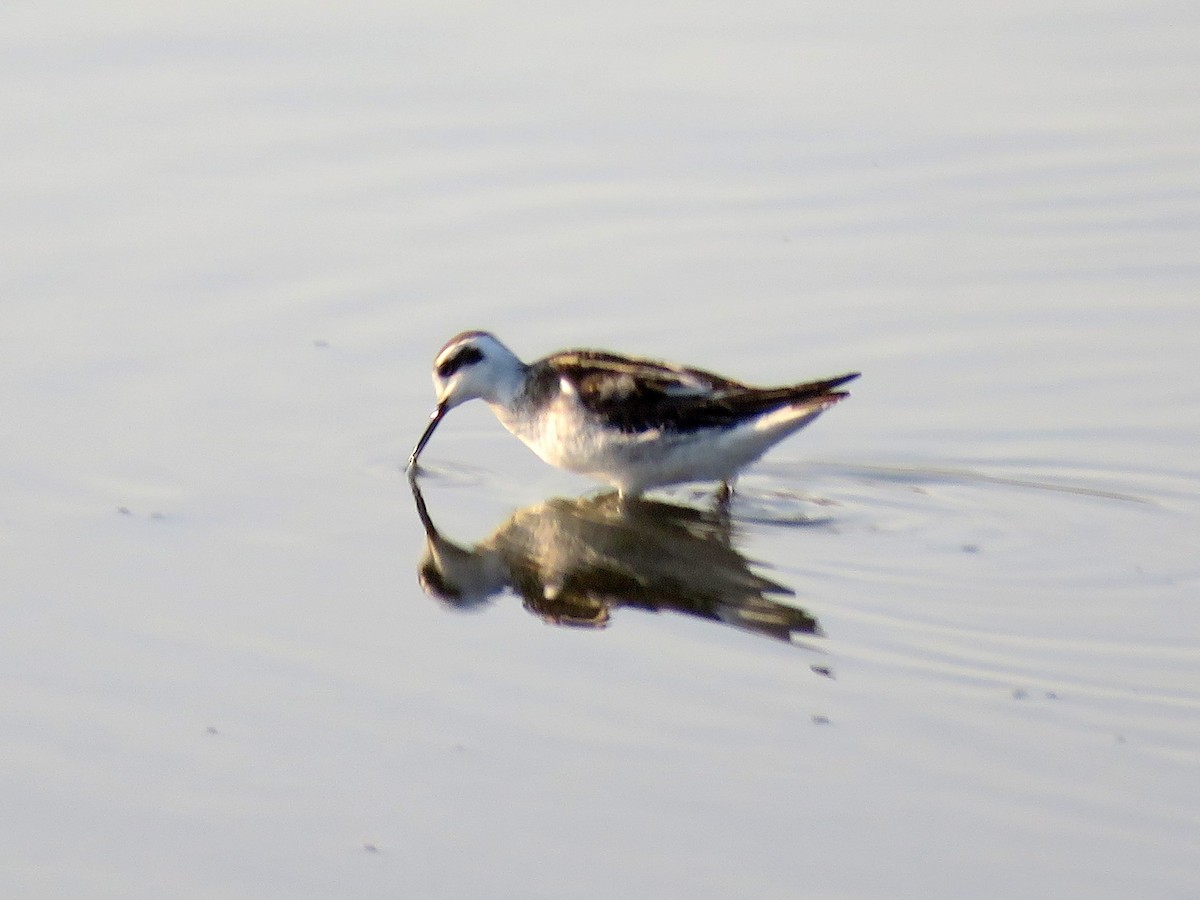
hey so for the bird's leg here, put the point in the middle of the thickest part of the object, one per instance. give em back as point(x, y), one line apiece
point(725, 497)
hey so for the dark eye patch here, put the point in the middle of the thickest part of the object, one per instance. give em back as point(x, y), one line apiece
point(466, 356)
point(433, 582)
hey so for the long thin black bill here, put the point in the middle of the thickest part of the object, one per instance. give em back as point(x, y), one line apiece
point(434, 418)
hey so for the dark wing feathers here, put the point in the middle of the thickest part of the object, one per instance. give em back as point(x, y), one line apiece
point(636, 395)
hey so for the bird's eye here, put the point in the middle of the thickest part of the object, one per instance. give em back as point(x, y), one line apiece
point(464, 356)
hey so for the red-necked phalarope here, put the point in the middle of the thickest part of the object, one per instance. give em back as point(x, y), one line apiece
point(634, 423)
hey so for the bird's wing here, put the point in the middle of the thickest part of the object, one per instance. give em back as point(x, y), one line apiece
point(637, 395)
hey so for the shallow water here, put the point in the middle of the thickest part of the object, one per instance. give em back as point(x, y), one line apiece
point(233, 242)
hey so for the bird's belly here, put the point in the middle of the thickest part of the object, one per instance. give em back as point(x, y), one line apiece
point(563, 437)
point(636, 461)
point(629, 460)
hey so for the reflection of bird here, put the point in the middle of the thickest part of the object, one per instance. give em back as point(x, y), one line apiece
point(574, 561)
point(633, 423)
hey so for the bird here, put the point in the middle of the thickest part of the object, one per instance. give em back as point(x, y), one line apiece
point(634, 423)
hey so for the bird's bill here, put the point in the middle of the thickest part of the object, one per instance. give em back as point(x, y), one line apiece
point(435, 417)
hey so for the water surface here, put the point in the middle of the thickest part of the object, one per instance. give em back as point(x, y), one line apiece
point(234, 240)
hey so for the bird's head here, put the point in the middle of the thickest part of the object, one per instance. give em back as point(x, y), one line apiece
point(470, 365)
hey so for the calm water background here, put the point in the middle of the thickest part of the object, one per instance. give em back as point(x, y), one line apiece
point(235, 234)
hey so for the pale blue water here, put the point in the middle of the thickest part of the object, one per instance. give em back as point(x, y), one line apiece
point(233, 239)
